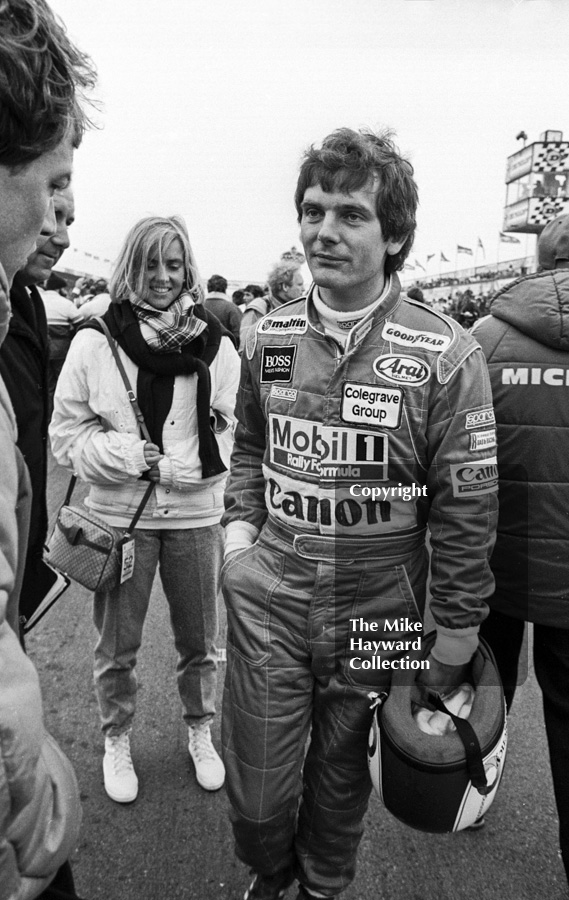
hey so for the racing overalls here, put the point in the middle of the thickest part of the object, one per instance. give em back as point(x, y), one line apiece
point(341, 460)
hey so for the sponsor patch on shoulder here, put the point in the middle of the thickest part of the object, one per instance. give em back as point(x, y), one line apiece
point(281, 393)
point(401, 369)
point(277, 363)
point(480, 419)
point(480, 477)
point(483, 440)
point(371, 404)
point(409, 337)
point(283, 325)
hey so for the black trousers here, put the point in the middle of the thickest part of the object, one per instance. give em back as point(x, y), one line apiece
point(551, 661)
point(62, 886)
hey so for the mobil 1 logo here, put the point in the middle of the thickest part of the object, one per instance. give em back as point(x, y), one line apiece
point(298, 445)
point(277, 363)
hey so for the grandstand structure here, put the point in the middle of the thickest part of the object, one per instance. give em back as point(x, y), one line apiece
point(537, 191)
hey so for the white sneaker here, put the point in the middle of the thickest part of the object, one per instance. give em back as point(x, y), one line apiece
point(121, 783)
point(210, 771)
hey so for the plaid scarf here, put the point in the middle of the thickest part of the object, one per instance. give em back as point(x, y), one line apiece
point(168, 330)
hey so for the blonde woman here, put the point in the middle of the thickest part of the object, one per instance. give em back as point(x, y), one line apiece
point(183, 368)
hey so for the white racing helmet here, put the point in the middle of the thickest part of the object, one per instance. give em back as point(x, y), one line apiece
point(440, 783)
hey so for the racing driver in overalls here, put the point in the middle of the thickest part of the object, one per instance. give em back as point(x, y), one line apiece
point(364, 418)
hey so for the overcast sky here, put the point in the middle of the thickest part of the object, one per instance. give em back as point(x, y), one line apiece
point(207, 106)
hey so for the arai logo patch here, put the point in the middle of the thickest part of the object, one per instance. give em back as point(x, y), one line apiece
point(401, 369)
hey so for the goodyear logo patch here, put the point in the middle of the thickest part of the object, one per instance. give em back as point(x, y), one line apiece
point(281, 393)
point(401, 369)
point(371, 404)
point(480, 418)
point(409, 337)
point(283, 325)
point(469, 478)
point(277, 363)
point(483, 440)
point(299, 445)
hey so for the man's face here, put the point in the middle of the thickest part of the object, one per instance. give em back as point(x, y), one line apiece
point(48, 254)
point(345, 248)
point(26, 204)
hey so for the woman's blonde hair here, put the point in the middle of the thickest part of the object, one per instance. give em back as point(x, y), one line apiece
point(152, 236)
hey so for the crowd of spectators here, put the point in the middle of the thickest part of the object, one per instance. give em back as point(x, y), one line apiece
point(511, 270)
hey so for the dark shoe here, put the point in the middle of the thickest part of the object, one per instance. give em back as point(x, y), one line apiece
point(303, 894)
point(269, 887)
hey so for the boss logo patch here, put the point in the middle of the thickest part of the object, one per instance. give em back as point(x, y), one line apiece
point(401, 369)
point(277, 364)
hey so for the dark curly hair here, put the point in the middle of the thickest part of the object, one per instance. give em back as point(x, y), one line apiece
point(42, 79)
point(346, 161)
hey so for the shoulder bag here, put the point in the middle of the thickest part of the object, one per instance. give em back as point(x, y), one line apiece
point(83, 546)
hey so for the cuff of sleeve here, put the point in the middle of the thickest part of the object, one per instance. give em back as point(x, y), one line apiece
point(455, 646)
point(239, 535)
point(166, 471)
point(136, 453)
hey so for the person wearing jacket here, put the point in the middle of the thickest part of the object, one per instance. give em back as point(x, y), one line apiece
point(183, 368)
point(24, 366)
point(285, 283)
point(526, 342)
point(41, 125)
point(217, 302)
point(356, 411)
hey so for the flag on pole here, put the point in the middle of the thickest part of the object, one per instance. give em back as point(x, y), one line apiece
point(443, 257)
point(461, 249)
point(481, 246)
point(508, 239)
point(429, 256)
point(417, 263)
point(407, 266)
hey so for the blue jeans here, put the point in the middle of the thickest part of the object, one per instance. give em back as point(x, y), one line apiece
point(190, 562)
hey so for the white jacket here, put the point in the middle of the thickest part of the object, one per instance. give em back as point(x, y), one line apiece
point(94, 432)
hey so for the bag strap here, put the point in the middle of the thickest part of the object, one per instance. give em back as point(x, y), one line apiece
point(131, 395)
point(141, 424)
point(137, 412)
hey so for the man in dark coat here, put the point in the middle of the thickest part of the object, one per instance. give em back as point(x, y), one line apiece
point(227, 312)
point(24, 359)
point(526, 342)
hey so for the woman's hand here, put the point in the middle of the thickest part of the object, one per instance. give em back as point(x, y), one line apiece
point(152, 455)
